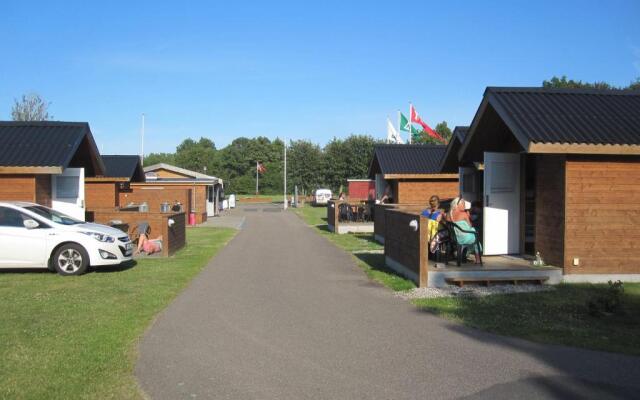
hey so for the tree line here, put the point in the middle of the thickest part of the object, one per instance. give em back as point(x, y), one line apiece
point(309, 166)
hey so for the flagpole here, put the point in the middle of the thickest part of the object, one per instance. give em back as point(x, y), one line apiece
point(399, 130)
point(257, 177)
point(285, 173)
point(410, 125)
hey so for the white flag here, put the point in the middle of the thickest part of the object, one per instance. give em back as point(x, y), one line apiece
point(392, 135)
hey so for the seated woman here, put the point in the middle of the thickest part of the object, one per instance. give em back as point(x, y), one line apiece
point(145, 244)
point(459, 215)
point(149, 246)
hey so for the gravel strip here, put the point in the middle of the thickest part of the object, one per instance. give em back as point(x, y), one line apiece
point(471, 291)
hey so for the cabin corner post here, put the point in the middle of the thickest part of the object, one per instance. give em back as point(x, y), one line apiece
point(424, 252)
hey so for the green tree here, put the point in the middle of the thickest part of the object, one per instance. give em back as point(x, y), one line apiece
point(304, 165)
point(441, 128)
point(565, 83)
point(195, 156)
point(31, 108)
point(157, 158)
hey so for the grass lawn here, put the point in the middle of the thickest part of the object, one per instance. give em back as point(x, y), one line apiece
point(560, 316)
point(268, 198)
point(362, 245)
point(75, 337)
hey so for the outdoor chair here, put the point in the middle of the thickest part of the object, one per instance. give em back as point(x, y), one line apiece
point(451, 245)
point(344, 213)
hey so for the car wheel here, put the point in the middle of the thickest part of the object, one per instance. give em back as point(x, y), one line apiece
point(71, 259)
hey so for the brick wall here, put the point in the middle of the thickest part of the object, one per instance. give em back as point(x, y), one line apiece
point(154, 196)
point(101, 195)
point(173, 238)
point(602, 215)
point(419, 191)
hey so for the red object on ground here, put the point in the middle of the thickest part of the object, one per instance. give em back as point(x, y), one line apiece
point(361, 189)
point(192, 218)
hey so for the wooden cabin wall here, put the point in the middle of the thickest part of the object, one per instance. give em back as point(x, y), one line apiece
point(419, 191)
point(19, 187)
point(43, 190)
point(602, 215)
point(549, 210)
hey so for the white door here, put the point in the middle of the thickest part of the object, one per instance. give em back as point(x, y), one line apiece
point(468, 190)
point(21, 247)
point(68, 192)
point(232, 201)
point(501, 203)
point(210, 202)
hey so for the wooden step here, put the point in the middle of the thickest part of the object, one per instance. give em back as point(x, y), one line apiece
point(487, 280)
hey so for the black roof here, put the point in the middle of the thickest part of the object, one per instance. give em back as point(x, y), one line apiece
point(406, 159)
point(123, 166)
point(589, 116)
point(45, 144)
point(449, 161)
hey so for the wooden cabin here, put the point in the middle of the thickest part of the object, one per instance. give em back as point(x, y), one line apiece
point(412, 173)
point(48, 162)
point(206, 191)
point(557, 172)
point(103, 192)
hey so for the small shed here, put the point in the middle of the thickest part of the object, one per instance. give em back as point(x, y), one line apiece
point(412, 172)
point(361, 189)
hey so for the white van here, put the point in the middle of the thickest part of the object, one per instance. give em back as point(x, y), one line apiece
point(321, 197)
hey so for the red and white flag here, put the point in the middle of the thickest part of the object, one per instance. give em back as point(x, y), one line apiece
point(415, 118)
point(261, 168)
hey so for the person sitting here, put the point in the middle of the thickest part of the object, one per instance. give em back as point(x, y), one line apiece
point(434, 214)
point(387, 196)
point(149, 246)
point(465, 232)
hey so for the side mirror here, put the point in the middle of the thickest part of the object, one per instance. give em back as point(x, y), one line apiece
point(30, 224)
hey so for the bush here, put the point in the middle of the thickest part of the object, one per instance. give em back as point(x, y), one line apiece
point(607, 301)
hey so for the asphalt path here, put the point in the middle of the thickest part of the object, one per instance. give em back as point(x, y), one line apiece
point(281, 313)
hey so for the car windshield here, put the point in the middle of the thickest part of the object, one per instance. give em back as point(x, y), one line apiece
point(53, 215)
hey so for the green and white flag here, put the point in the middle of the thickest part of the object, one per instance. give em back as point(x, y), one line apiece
point(406, 126)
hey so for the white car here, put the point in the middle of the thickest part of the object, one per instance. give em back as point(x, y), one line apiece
point(34, 236)
point(321, 197)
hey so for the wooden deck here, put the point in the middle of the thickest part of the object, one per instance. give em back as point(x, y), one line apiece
point(494, 269)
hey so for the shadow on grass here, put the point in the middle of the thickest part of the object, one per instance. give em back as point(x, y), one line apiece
point(369, 237)
point(381, 273)
point(324, 228)
point(127, 265)
point(559, 316)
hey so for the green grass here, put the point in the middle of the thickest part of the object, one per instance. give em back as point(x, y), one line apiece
point(75, 337)
point(559, 316)
point(362, 246)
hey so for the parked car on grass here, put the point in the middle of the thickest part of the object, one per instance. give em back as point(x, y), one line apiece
point(321, 197)
point(34, 236)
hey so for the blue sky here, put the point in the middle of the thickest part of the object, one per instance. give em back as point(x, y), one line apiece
point(295, 69)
